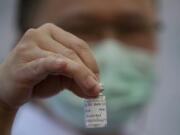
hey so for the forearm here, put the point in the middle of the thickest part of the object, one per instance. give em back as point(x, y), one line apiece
point(7, 116)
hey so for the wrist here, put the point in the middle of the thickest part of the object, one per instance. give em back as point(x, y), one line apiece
point(6, 108)
point(7, 115)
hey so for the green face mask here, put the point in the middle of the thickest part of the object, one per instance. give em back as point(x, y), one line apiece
point(128, 81)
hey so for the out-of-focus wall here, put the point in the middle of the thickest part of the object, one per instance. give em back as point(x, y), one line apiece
point(164, 112)
point(7, 26)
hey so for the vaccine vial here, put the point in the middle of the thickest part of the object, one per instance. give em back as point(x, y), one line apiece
point(95, 112)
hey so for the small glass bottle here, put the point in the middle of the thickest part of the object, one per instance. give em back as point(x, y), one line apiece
point(95, 112)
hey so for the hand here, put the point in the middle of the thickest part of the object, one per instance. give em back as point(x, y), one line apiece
point(45, 61)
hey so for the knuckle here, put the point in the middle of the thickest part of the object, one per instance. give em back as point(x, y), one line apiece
point(21, 49)
point(80, 44)
point(31, 34)
point(71, 53)
point(35, 69)
point(42, 63)
point(22, 54)
point(49, 25)
point(24, 49)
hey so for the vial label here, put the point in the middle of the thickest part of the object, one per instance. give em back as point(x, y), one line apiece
point(95, 112)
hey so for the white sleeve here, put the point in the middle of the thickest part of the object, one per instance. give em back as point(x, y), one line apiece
point(31, 120)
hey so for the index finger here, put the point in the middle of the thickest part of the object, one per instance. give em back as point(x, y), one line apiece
point(78, 45)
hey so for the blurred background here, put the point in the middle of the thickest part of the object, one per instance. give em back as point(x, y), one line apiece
point(163, 113)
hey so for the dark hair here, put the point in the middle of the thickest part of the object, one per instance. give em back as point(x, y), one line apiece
point(23, 14)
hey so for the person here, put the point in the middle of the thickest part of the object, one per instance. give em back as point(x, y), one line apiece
point(55, 53)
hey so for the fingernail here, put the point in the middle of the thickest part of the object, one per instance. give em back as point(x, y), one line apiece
point(92, 85)
point(60, 63)
point(98, 88)
point(91, 82)
point(101, 85)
